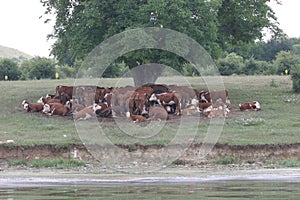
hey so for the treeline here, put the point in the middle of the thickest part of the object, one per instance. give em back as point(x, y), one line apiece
point(275, 57)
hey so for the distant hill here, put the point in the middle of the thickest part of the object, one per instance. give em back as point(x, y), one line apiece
point(6, 52)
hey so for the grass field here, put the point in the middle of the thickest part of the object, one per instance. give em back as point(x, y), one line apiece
point(277, 122)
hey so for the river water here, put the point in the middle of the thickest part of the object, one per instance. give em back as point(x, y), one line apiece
point(244, 186)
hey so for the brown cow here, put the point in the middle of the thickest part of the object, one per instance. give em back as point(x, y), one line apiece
point(166, 99)
point(137, 118)
point(139, 104)
point(57, 108)
point(158, 113)
point(102, 110)
point(32, 107)
point(44, 100)
point(213, 96)
point(252, 105)
point(84, 114)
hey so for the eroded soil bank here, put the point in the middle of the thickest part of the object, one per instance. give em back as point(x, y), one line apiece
point(254, 156)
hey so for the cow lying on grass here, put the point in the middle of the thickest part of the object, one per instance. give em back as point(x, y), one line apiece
point(57, 108)
point(32, 107)
point(250, 106)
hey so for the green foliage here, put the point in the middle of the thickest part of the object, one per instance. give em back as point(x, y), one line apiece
point(296, 49)
point(295, 72)
point(21, 162)
point(38, 68)
point(227, 161)
point(267, 51)
point(45, 163)
point(10, 69)
point(67, 71)
point(56, 163)
point(285, 60)
point(241, 22)
point(231, 64)
point(217, 25)
point(255, 67)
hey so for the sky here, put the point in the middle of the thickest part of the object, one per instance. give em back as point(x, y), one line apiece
point(21, 28)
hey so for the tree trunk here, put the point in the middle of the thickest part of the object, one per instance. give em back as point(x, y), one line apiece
point(147, 73)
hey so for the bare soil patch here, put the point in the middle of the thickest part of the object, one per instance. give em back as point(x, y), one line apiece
point(250, 156)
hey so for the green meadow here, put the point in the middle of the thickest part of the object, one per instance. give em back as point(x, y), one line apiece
point(278, 121)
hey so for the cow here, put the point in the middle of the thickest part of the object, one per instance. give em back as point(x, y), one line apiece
point(212, 96)
point(47, 100)
point(187, 96)
point(218, 109)
point(85, 114)
point(203, 105)
point(166, 99)
point(139, 103)
point(251, 106)
point(32, 107)
point(146, 90)
point(76, 106)
point(66, 89)
point(137, 118)
point(102, 109)
point(191, 110)
point(57, 108)
point(157, 87)
point(158, 113)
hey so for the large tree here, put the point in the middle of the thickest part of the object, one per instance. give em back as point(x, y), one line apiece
point(218, 25)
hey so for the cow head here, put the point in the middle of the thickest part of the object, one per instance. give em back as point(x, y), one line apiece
point(26, 106)
point(46, 108)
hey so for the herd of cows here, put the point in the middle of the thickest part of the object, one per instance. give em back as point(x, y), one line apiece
point(147, 102)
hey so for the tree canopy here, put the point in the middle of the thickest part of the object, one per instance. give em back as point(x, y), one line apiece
point(218, 25)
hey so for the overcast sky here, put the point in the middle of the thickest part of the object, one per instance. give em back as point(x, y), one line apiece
point(22, 29)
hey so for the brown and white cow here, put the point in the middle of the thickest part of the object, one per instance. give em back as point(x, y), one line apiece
point(32, 107)
point(158, 113)
point(47, 100)
point(213, 96)
point(252, 106)
point(85, 114)
point(57, 109)
point(139, 103)
point(137, 118)
point(102, 109)
point(167, 99)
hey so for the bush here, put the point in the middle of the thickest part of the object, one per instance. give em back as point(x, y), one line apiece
point(10, 69)
point(39, 68)
point(254, 67)
point(285, 60)
point(295, 72)
point(231, 64)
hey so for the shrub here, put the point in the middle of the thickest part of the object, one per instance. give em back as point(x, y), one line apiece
point(285, 60)
point(10, 69)
point(231, 64)
point(295, 74)
point(39, 68)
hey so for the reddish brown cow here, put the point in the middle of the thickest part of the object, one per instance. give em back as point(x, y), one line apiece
point(57, 109)
point(203, 106)
point(44, 100)
point(137, 118)
point(102, 109)
point(213, 96)
point(253, 105)
point(66, 89)
point(158, 113)
point(32, 107)
point(166, 99)
point(146, 90)
point(85, 114)
point(139, 104)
